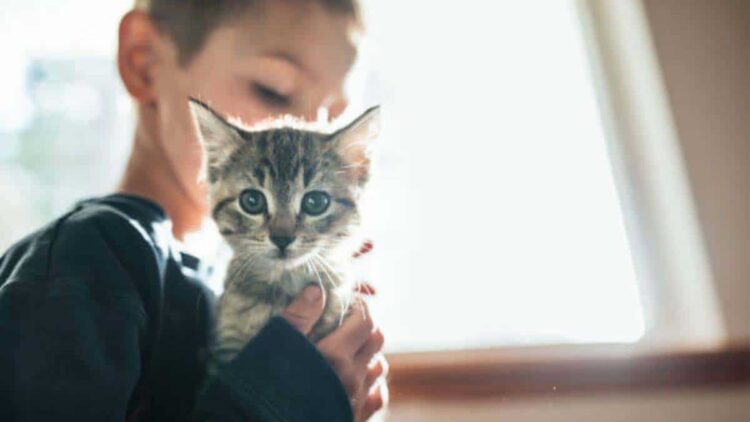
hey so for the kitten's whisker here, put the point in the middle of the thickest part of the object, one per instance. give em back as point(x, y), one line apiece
point(327, 264)
point(344, 304)
point(325, 270)
point(318, 271)
point(320, 281)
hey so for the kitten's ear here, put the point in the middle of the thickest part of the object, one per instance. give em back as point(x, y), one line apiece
point(353, 142)
point(220, 138)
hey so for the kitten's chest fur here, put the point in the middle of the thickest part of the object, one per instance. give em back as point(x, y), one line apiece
point(252, 296)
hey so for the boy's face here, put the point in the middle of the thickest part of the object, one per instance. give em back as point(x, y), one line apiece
point(282, 57)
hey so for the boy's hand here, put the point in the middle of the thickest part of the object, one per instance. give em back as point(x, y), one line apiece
point(351, 350)
point(306, 309)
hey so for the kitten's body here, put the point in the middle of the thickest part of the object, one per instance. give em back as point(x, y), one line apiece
point(265, 190)
point(251, 298)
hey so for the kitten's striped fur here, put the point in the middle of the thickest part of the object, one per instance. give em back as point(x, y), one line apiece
point(283, 163)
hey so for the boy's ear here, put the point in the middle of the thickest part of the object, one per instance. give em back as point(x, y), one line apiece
point(135, 54)
point(353, 142)
point(220, 138)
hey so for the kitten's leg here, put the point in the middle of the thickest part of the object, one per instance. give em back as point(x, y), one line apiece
point(240, 318)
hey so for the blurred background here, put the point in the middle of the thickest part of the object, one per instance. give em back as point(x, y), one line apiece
point(555, 178)
point(65, 120)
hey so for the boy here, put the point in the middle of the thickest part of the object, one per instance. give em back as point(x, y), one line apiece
point(101, 316)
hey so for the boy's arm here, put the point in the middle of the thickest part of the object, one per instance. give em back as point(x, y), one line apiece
point(63, 357)
point(74, 334)
point(72, 327)
point(279, 376)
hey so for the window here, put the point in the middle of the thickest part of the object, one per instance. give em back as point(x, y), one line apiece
point(64, 114)
point(494, 209)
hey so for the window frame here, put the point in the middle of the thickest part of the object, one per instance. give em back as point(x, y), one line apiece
point(562, 370)
point(678, 290)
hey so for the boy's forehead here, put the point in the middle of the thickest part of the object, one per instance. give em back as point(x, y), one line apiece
point(309, 36)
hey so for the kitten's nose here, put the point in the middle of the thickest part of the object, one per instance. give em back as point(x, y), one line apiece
point(282, 241)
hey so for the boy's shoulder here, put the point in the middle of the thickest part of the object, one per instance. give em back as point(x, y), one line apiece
point(104, 286)
point(111, 241)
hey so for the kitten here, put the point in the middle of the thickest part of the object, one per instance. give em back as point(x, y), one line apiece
point(285, 200)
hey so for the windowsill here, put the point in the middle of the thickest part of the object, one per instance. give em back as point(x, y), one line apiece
point(534, 371)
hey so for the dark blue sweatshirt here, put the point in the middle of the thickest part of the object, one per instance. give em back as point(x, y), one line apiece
point(103, 319)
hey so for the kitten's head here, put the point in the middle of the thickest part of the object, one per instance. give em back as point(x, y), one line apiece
point(281, 196)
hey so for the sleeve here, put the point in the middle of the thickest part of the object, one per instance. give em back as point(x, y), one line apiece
point(70, 331)
point(279, 376)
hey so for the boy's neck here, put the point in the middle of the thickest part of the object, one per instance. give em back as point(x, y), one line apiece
point(150, 174)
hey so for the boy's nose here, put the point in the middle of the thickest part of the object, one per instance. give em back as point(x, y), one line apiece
point(282, 241)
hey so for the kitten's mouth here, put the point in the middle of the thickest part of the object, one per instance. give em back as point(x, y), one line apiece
point(289, 260)
point(287, 255)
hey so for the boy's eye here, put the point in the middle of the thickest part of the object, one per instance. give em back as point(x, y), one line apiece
point(270, 96)
point(315, 203)
point(253, 201)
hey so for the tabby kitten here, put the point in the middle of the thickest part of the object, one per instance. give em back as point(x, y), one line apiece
point(285, 199)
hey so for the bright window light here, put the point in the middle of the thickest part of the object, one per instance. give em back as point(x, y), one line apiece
point(493, 206)
point(64, 115)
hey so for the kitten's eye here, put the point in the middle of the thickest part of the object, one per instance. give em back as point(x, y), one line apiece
point(253, 201)
point(315, 203)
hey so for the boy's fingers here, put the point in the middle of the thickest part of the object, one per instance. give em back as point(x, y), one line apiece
point(365, 248)
point(365, 289)
point(376, 372)
point(306, 309)
point(354, 331)
point(374, 402)
point(373, 345)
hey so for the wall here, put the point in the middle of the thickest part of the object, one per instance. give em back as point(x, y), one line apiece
point(703, 51)
point(714, 406)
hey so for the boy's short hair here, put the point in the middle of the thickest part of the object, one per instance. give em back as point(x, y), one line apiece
point(189, 22)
